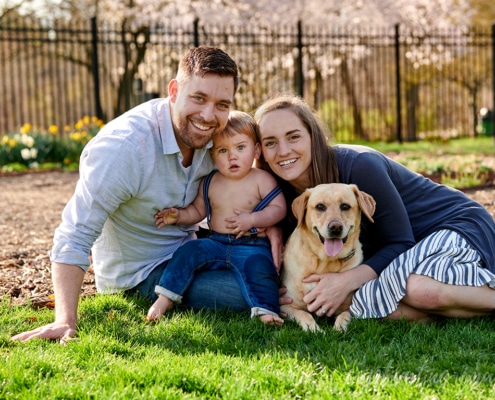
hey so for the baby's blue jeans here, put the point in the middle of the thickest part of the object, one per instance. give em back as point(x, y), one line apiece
point(248, 259)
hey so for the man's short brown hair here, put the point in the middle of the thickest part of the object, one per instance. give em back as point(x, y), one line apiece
point(208, 59)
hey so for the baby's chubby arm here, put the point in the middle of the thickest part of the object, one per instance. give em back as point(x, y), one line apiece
point(192, 214)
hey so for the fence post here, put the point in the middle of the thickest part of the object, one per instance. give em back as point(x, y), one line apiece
point(493, 79)
point(196, 32)
point(94, 67)
point(397, 83)
point(300, 74)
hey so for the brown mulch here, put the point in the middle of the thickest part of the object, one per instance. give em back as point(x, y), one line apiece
point(31, 206)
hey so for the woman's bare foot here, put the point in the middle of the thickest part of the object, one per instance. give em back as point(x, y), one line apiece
point(269, 319)
point(159, 307)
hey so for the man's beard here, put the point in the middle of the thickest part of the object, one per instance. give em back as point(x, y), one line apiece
point(190, 138)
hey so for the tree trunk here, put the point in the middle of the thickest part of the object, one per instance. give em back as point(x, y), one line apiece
point(412, 101)
point(356, 111)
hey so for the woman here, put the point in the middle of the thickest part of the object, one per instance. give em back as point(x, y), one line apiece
point(430, 250)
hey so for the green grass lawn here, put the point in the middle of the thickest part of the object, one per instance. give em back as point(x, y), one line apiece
point(226, 355)
point(459, 163)
point(480, 145)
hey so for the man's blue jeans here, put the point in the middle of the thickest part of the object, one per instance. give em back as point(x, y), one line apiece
point(222, 257)
point(214, 290)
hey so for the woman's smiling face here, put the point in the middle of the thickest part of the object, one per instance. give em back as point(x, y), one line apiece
point(286, 146)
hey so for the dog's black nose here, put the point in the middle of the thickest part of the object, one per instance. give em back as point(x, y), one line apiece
point(335, 228)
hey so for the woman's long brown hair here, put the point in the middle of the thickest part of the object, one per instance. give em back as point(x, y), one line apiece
point(323, 167)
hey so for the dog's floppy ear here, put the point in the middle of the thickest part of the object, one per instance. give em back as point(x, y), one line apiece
point(366, 202)
point(299, 206)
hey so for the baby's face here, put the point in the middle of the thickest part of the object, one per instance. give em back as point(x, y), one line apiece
point(234, 155)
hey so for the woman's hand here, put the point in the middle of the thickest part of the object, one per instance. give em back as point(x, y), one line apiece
point(283, 300)
point(328, 294)
point(276, 237)
point(334, 289)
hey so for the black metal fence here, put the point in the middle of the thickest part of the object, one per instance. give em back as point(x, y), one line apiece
point(369, 83)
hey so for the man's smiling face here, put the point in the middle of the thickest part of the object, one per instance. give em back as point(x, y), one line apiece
point(200, 108)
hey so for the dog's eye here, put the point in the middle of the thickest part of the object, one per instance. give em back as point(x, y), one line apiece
point(320, 207)
point(345, 207)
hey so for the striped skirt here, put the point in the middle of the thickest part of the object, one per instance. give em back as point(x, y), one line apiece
point(444, 256)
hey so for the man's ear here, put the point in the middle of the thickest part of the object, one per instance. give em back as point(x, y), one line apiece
point(173, 89)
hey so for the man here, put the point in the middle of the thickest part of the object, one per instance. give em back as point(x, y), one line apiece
point(151, 157)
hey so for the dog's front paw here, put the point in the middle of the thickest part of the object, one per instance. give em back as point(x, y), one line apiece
point(304, 319)
point(311, 327)
point(342, 321)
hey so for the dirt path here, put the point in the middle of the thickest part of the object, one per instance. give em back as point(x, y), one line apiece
point(31, 207)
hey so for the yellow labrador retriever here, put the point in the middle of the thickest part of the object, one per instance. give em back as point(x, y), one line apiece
point(326, 239)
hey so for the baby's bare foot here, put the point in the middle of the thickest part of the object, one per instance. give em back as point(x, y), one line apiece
point(269, 319)
point(159, 307)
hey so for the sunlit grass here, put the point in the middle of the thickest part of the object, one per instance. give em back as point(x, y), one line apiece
point(480, 145)
point(459, 163)
point(207, 354)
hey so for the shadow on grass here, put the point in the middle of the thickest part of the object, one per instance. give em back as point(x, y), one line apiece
point(457, 346)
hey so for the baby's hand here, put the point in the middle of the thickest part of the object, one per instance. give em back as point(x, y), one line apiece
point(167, 216)
point(239, 224)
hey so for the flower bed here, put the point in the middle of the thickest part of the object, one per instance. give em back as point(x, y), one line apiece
point(36, 148)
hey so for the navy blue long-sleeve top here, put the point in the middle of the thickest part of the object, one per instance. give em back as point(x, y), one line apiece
point(409, 207)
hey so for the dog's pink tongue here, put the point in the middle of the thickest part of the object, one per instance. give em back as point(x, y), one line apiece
point(333, 247)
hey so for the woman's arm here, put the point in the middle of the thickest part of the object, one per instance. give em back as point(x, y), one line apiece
point(391, 233)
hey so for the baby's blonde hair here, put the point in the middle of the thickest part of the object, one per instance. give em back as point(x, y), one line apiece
point(240, 122)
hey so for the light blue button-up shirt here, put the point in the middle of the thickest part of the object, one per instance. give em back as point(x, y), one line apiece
point(130, 170)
